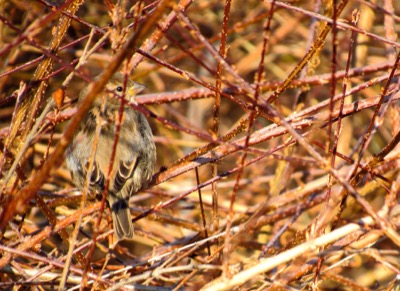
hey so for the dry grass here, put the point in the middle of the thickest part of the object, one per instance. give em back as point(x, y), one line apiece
point(277, 130)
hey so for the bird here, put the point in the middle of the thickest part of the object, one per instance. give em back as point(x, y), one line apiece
point(135, 154)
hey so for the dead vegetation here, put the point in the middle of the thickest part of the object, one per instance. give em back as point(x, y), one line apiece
point(276, 125)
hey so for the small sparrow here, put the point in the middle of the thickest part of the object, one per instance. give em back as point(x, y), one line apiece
point(135, 154)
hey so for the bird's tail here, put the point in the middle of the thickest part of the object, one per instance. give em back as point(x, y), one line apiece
point(121, 217)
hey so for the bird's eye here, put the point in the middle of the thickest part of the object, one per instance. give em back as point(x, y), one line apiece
point(119, 89)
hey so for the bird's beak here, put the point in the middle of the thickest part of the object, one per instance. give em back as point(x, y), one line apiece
point(135, 89)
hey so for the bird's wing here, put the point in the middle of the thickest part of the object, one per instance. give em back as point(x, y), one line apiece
point(97, 178)
point(123, 173)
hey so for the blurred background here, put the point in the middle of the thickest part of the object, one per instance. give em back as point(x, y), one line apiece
point(275, 124)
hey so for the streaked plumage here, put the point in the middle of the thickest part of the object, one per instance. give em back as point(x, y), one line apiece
point(135, 152)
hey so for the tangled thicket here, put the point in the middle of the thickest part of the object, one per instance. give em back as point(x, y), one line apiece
point(277, 130)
